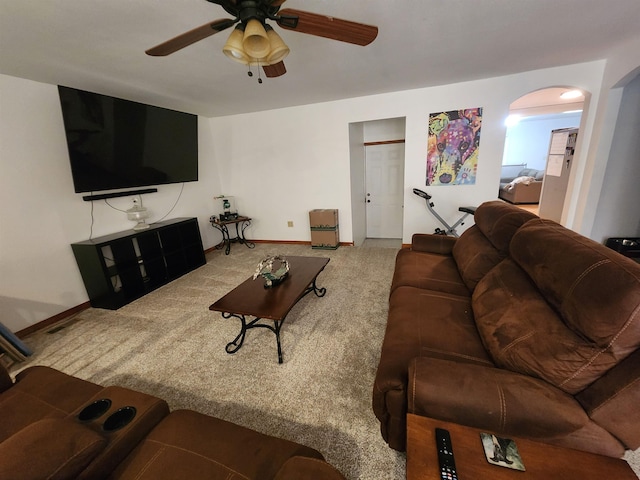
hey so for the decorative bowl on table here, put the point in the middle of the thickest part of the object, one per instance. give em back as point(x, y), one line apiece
point(274, 269)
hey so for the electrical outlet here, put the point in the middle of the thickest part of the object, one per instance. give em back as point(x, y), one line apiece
point(290, 223)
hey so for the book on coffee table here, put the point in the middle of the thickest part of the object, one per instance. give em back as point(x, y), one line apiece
point(501, 451)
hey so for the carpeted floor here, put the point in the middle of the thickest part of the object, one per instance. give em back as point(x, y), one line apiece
point(170, 345)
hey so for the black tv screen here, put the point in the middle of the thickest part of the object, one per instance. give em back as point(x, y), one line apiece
point(115, 143)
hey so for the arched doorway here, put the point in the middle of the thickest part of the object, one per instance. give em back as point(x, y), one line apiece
point(525, 165)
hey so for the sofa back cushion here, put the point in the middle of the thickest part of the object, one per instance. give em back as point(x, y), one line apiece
point(484, 245)
point(563, 308)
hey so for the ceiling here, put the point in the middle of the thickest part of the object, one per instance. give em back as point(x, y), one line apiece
point(99, 46)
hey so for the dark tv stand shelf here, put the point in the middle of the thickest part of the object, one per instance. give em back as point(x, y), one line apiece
point(118, 268)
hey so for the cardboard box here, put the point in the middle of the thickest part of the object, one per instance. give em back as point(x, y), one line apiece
point(325, 239)
point(323, 218)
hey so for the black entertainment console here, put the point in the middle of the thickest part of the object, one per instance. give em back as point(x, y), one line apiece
point(118, 268)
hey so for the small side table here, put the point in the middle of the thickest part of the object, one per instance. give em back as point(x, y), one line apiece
point(241, 224)
point(541, 461)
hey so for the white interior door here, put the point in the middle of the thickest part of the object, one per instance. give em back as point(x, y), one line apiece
point(384, 190)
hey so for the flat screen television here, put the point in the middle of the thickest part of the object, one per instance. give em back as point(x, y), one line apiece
point(115, 143)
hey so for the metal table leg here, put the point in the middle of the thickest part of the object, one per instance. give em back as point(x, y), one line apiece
point(236, 343)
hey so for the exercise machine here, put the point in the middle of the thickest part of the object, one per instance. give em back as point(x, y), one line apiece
point(449, 229)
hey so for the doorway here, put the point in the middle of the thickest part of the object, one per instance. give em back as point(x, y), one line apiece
point(384, 184)
point(377, 180)
point(532, 120)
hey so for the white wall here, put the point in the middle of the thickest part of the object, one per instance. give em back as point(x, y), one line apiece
point(528, 141)
point(283, 163)
point(621, 67)
point(384, 130)
point(357, 172)
point(618, 212)
point(278, 164)
point(40, 215)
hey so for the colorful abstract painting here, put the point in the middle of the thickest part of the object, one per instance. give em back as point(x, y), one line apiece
point(453, 147)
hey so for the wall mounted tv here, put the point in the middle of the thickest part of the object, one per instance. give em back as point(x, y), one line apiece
point(115, 143)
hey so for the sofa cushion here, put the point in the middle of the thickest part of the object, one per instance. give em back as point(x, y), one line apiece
point(41, 392)
point(431, 324)
point(595, 289)
point(499, 221)
point(53, 448)
point(524, 333)
point(187, 444)
point(484, 245)
point(305, 468)
point(474, 255)
point(429, 271)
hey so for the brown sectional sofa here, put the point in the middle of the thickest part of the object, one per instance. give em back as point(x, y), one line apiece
point(520, 327)
point(56, 426)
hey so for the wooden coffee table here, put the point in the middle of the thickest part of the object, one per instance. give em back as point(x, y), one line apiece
point(542, 461)
point(252, 299)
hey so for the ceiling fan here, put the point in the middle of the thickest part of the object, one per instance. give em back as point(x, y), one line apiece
point(254, 42)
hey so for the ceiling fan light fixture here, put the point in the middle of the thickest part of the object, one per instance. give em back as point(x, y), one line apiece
point(279, 50)
point(255, 41)
point(234, 49)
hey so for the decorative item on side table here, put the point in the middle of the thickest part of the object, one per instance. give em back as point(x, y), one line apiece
point(228, 215)
point(227, 207)
point(138, 213)
point(265, 270)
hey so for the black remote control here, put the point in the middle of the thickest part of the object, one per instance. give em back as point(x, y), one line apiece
point(445, 455)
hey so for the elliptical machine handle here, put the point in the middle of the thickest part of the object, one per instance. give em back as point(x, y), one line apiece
point(422, 194)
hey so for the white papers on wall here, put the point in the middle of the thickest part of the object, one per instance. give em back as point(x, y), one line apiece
point(559, 143)
point(557, 152)
point(554, 165)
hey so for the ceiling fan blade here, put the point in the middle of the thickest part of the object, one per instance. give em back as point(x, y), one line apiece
point(277, 3)
point(275, 70)
point(190, 37)
point(328, 27)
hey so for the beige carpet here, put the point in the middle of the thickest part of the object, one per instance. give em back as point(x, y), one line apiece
point(170, 345)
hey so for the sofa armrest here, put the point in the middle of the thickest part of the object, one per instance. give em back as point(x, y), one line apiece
point(432, 243)
point(491, 398)
point(298, 468)
point(612, 400)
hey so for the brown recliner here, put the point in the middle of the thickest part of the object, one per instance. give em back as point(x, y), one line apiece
point(56, 426)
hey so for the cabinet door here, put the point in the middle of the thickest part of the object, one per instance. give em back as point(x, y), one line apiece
point(172, 250)
point(128, 267)
point(152, 260)
point(192, 244)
